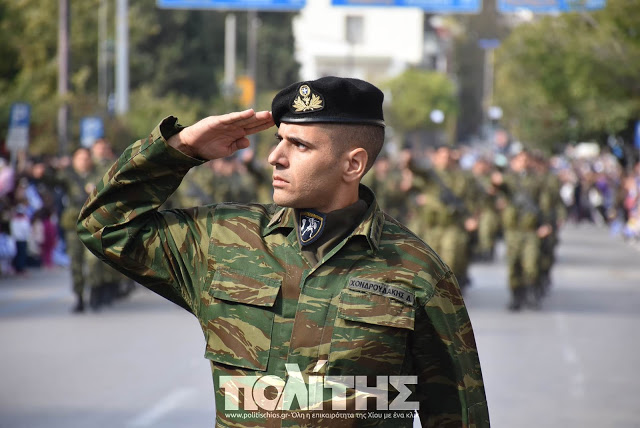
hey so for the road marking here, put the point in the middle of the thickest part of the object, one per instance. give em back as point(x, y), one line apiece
point(168, 404)
point(571, 358)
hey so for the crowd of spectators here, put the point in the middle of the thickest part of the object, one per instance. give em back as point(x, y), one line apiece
point(595, 189)
point(30, 205)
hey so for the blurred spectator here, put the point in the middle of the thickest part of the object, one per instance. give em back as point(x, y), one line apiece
point(7, 250)
point(43, 239)
point(6, 178)
point(20, 230)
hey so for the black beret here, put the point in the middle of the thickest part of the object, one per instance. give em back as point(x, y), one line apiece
point(330, 100)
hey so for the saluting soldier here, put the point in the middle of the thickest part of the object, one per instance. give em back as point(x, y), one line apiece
point(315, 289)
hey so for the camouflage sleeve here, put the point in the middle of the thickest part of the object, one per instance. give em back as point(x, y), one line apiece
point(450, 388)
point(165, 251)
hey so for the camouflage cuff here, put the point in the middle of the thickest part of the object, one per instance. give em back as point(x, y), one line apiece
point(166, 129)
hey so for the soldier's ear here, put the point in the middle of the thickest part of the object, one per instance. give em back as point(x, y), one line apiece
point(355, 164)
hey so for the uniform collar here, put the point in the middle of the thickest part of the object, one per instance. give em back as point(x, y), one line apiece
point(370, 227)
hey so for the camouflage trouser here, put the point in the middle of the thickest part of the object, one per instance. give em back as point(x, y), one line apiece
point(451, 244)
point(78, 254)
point(86, 269)
point(488, 225)
point(547, 253)
point(523, 258)
point(101, 273)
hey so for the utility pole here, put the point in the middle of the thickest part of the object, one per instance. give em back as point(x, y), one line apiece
point(252, 50)
point(103, 55)
point(63, 76)
point(122, 57)
point(229, 55)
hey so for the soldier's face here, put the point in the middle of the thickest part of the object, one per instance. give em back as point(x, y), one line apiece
point(441, 158)
point(82, 161)
point(307, 168)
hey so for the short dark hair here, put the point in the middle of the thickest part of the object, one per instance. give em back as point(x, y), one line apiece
point(369, 137)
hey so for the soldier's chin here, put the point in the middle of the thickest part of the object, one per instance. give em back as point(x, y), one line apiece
point(283, 200)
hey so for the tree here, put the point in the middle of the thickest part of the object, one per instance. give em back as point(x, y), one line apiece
point(176, 64)
point(572, 77)
point(414, 95)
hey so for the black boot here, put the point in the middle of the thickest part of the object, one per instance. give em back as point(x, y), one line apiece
point(518, 296)
point(109, 293)
point(79, 306)
point(537, 293)
point(95, 298)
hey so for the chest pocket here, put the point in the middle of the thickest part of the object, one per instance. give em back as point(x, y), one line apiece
point(370, 334)
point(238, 319)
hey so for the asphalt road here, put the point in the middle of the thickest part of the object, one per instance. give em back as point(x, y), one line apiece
point(140, 363)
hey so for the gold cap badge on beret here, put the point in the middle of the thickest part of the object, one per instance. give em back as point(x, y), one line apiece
point(307, 100)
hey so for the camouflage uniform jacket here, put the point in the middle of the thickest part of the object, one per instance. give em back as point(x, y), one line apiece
point(74, 185)
point(239, 270)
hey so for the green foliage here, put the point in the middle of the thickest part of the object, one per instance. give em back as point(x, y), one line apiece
point(414, 95)
point(276, 67)
point(572, 77)
point(176, 65)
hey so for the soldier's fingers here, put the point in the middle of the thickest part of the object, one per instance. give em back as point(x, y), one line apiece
point(240, 118)
point(239, 144)
point(260, 126)
point(255, 122)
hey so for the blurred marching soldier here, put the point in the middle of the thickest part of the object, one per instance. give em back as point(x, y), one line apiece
point(223, 171)
point(446, 210)
point(524, 224)
point(196, 188)
point(489, 218)
point(106, 281)
point(556, 214)
point(259, 174)
point(385, 179)
point(242, 188)
point(78, 184)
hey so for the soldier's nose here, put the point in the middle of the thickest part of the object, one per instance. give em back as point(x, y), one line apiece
point(277, 157)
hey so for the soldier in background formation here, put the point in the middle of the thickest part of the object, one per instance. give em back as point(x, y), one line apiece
point(462, 214)
point(77, 183)
point(447, 209)
point(489, 226)
point(526, 223)
point(238, 179)
point(106, 283)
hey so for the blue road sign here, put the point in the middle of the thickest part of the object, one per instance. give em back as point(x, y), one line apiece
point(636, 137)
point(18, 134)
point(549, 6)
point(273, 5)
point(91, 128)
point(440, 6)
point(488, 43)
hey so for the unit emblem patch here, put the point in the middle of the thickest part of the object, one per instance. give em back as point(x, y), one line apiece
point(310, 226)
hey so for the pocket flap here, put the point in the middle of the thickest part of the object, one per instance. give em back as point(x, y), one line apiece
point(241, 287)
point(375, 309)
